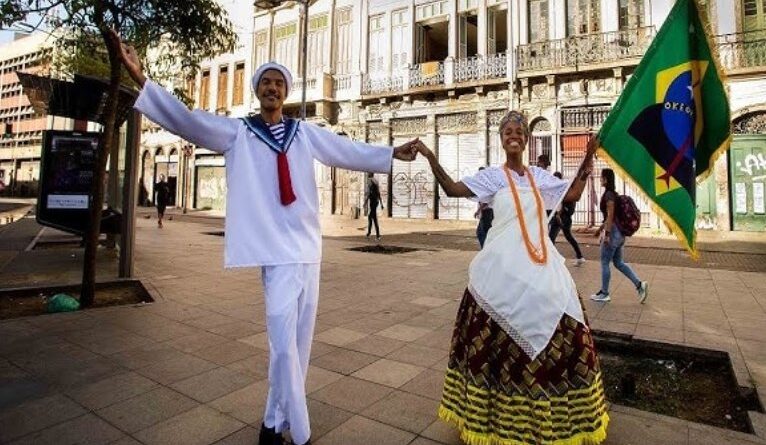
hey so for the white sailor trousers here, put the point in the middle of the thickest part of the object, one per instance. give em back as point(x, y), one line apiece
point(292, 294)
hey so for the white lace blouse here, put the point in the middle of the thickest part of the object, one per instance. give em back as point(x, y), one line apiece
point(485, 183)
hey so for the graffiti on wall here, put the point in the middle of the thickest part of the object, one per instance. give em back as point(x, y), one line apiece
point(753, 165)
point(211, 188)
point(412, 189)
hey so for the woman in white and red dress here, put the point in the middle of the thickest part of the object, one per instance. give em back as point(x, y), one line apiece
point(522, 367)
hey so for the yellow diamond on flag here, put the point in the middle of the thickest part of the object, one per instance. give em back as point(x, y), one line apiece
point(660, 186)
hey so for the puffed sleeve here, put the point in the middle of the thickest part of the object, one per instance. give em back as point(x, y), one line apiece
point(484, 184)
point(207, 130)
point(552, 189)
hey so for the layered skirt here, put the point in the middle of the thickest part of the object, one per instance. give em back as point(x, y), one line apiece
point(495, 395)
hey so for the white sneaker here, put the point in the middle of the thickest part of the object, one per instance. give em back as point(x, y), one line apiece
point(643, 292)
point(579, 262)
point(601, 297)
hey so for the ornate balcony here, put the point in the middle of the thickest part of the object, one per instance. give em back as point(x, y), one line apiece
point(742, 52)
point(318, 87)
point(427, 74)
point(341, 82)
point(578, 53)
point(494, 66)
point(380, 83)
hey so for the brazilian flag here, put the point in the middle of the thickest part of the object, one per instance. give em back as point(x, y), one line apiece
point(672, 120)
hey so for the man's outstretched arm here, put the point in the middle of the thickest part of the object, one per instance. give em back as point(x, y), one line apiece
point(207, 130)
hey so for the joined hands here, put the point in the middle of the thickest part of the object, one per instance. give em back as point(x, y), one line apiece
point(409, 150)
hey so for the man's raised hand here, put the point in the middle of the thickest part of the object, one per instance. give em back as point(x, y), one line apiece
point(130, 59)
point(407, 151)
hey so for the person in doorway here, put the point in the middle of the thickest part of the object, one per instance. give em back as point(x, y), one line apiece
point(613, 243)
point(162, 195)
point(562, 221)
point(485, 215)
point(543, 161)
point(372, 199)
point(522, 367)
point(272, 216)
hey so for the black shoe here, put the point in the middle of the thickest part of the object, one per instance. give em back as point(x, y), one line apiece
point(269, 436)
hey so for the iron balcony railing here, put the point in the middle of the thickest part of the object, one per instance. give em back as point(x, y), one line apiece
point(379, 83)
point(427, 74)
point(742, 51)
point(493, 66)
point(586, 49)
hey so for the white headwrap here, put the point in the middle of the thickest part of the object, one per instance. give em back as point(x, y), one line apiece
point(273, 66)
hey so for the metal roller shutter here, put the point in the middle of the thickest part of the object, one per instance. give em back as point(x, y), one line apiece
point(496, 153)
point(412, 186)
point(448, 158)
point(471, 156)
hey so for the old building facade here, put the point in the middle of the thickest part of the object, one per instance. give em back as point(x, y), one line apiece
point(195, 175)
point(446, 71)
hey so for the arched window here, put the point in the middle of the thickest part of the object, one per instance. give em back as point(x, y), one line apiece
point(540, 140)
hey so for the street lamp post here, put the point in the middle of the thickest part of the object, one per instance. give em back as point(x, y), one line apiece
point(269, 4)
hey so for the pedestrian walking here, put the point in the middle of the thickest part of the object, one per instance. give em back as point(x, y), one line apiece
point(522, 367)
point(612, 244)
point(562, 222)
point(162, 196)
point(371, 202)
point(272, 216)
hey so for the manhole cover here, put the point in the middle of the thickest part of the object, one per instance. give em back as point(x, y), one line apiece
point(386, 250)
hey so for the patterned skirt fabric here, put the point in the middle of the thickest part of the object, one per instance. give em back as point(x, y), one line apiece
point(495, 395)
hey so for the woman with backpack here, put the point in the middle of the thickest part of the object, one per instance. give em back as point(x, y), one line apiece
point(613, 242)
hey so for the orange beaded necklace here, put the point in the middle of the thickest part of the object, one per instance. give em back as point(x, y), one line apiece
point(538, 255)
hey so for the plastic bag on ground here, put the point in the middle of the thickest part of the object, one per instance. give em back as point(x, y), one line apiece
point(63, 303)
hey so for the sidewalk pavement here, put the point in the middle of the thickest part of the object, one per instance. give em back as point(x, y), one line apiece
point(191, 368)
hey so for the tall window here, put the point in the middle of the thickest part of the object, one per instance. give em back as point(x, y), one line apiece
point(343, 43)
point(377, 44)
point(223, 88)
point(239, 84)
point(583, 17)
point(190, 90)
point(754, 15)
point(317, 43)
point(261, 48)
point(538, 20)
point(631, 14)
point(400, 42)
point(204, 90)
point(286, 45)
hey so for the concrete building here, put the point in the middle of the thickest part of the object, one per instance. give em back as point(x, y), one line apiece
point(22, 128)
point(446, 71)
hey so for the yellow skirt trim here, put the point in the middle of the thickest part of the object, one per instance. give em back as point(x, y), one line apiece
point(474, 438)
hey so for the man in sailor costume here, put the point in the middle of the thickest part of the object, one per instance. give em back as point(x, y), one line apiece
point(272, 216)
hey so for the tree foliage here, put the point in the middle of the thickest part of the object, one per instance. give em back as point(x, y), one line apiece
point(177, 33)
